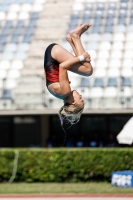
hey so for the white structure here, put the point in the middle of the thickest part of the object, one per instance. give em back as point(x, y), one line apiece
point(126, 135)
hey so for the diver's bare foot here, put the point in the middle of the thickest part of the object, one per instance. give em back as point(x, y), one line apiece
point(79, 30)
point(68, 38)
point(79, 25)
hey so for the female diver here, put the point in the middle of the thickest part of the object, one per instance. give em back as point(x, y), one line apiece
point(57, 61)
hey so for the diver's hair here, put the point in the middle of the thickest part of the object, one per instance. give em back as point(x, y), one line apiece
point(71, 114)
point(60, 115)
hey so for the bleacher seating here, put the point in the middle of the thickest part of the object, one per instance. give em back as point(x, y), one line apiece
point(25, 31)
point(18, 22)
point(28, 26)
point(109, 42)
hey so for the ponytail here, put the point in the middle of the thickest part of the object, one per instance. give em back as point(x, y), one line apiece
point(60, 115)
point(61, 121)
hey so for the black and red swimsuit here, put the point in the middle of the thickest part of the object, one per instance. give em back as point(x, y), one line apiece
point(51, 66)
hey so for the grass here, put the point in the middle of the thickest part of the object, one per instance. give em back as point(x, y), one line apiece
point(60, 188)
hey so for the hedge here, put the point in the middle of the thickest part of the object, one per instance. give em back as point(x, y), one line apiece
point(64, 165)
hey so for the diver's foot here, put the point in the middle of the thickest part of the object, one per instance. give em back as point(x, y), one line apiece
point(80, 29)
point(68, 38)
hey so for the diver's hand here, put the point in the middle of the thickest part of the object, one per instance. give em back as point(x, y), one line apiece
point(87, 56)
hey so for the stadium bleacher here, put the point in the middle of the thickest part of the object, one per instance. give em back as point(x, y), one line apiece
point(18, 23)
point(109, 42)
point(26, 30)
